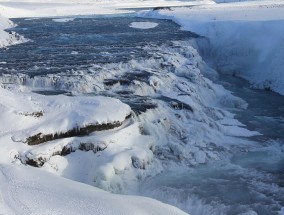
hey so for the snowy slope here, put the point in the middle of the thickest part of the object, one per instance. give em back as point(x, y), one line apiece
point(246, 38)
point(26, 190)
point(6, 38)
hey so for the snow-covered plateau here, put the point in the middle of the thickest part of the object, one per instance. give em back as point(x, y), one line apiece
point(143, 117)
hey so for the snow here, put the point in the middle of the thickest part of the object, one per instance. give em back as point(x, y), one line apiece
point(26, 190)
point(63, 20)
point(41, 8)
point(118, 150)
point(6, 38)
point(119, 157)
point(143, 25)
point(59, 113)
point(189, 121)
point(245, 38)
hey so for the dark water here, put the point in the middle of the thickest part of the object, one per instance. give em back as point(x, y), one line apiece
point(58, 47)
point(62, 47)
point(265, 112)
point(249, 182)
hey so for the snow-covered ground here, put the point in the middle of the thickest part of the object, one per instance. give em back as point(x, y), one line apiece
point(26, 190)
point(8, 38)
point(246, 38)
point(41, 8)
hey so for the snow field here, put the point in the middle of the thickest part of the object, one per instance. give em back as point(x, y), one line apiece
point(29, 114)
point(40, 8)
point(26, 190)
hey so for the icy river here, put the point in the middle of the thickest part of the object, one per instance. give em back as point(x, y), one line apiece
point(245, 180)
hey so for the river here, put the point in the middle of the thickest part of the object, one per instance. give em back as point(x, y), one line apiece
point(249, 181)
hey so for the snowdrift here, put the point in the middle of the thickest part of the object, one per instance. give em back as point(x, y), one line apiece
point(26, 190)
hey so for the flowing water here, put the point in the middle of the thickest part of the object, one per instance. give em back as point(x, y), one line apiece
point(62, 46)
point(249, 181)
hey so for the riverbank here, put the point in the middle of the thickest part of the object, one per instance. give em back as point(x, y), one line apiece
point(9, 38)
point(246, 38)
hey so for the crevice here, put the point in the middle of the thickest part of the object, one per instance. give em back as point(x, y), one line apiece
point(77, 131)
point(66, 150)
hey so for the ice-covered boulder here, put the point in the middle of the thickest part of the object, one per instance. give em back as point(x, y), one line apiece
point(37, 118)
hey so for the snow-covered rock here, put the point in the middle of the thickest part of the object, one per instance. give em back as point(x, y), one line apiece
point(8, 38)
point(110, 152)
point(37, 117)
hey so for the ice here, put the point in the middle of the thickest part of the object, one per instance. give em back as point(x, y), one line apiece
point(63, 20)
point(205, 189)
point(143, 25)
